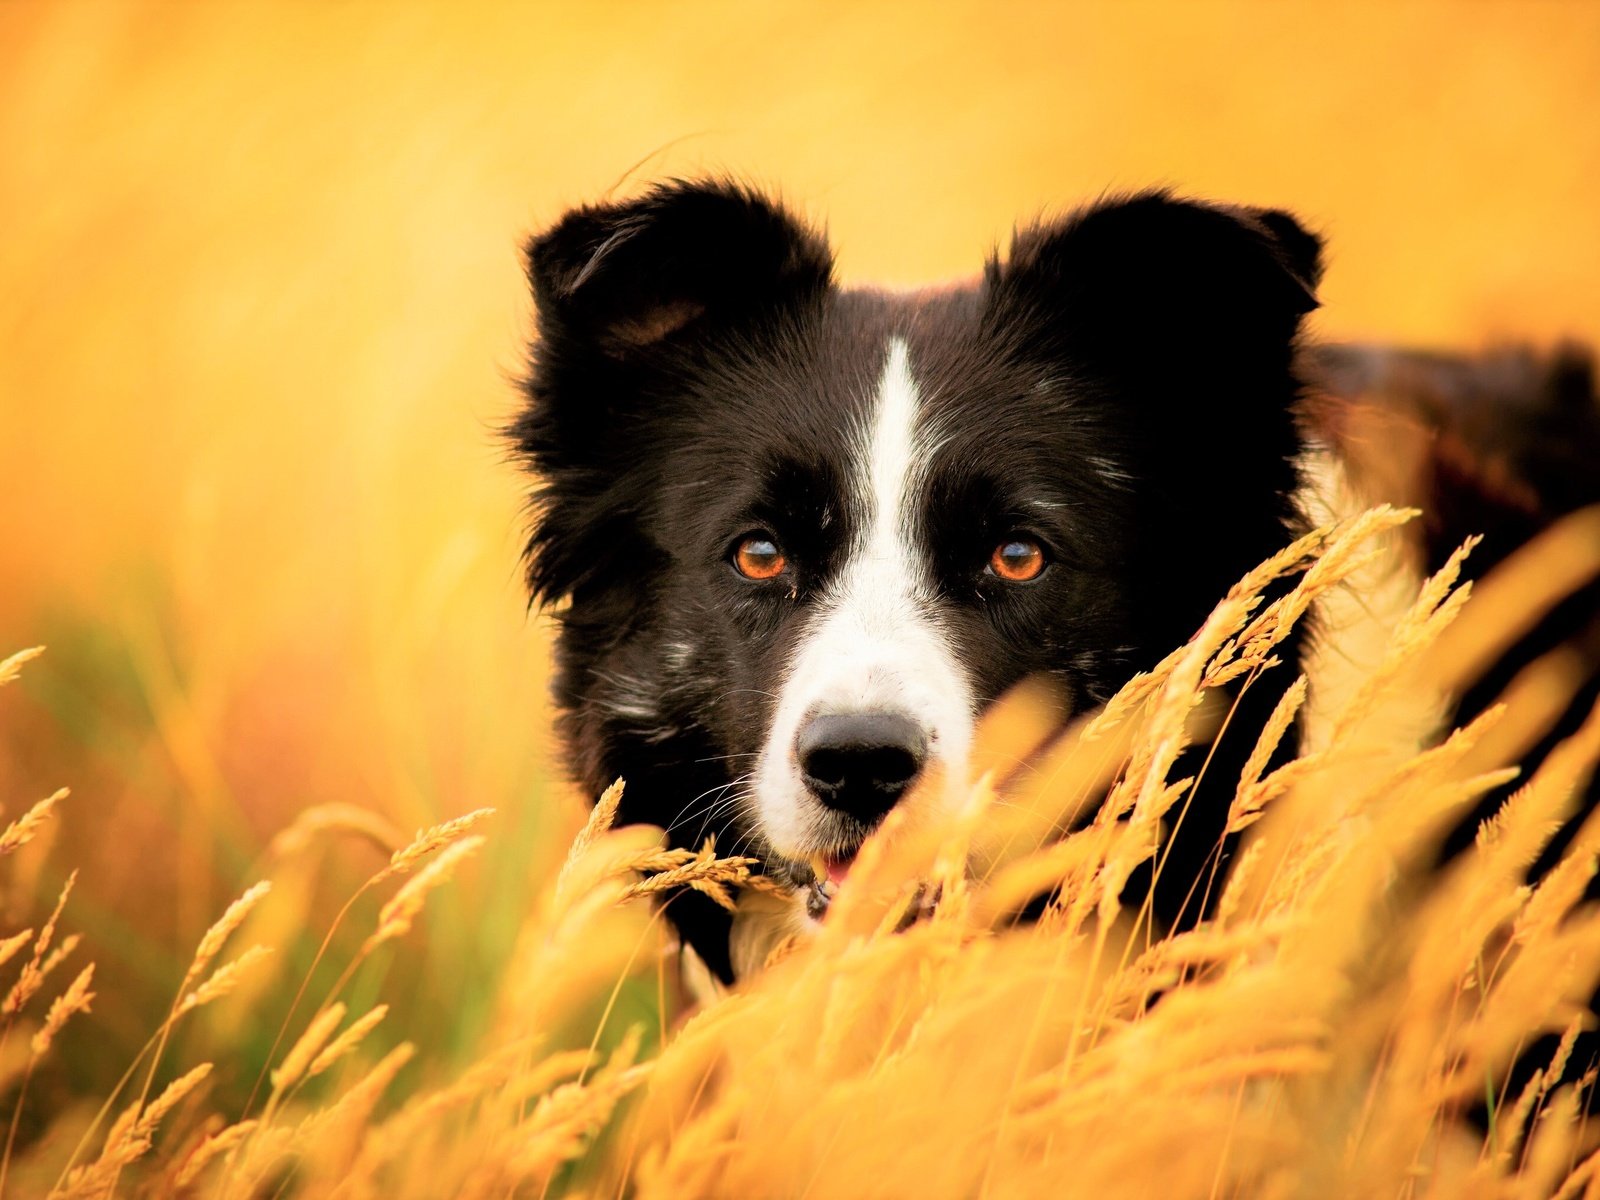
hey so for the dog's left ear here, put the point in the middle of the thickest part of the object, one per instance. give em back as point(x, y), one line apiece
point(684, 257)
point(1148, 276)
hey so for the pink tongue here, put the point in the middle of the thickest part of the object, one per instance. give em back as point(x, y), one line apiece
point(837, 870)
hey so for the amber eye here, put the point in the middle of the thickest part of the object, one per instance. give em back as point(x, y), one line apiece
point(758, 557)
point(1017, 560)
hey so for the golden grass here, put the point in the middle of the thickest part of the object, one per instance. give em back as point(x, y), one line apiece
point(1323, 1035)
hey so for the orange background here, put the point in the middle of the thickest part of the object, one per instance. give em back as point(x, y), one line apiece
point(260, 306)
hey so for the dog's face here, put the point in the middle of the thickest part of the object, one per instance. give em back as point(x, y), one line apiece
point(801, 535)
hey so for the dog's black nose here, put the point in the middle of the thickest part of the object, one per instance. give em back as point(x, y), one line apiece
point(860, 763)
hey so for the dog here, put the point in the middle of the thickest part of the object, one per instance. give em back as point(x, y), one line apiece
point(797, 536)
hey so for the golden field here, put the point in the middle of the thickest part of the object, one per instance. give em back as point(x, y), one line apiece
point(260, 307)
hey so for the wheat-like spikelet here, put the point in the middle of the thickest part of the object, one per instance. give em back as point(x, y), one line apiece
point(10, 946)
point(1512, 1128)
point(37, 967)
point(347, 1041)
point(223, 980)
point(703, 871)
point(223, 1142)
point(435, 837)
point(212, 941)
point(1322, 1036)
point(129, 1139)
point(489, 1074)
point(23, 829)
point(599, 821)
point(307, 1046)
point(1245, 809)
point(11, 668)
point(335, 1133)
point(75, 999)
point(564, 1120)
point(171, 1096)
point(322, 819)
point(395, 917)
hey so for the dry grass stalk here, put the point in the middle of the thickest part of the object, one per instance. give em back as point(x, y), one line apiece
point(395, 918)
point(75, 999)
point(306, 1047)
point(171, 1096)
point(1321, 1037)
point(600, 819)
point(348, 1041)
point(435, 837)
point(1247, 803)
point(223, 980)
point(37, 967)
point(214, 938)
point(129, 1139)
point(11, 668)
point(564, 1121)
point(701, 870)
point(23, 829)
point(220, 1143)
point(324, 819)
point(10, 946)
point(339, 1128)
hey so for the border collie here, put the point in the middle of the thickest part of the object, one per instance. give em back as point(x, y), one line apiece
point(798, 536)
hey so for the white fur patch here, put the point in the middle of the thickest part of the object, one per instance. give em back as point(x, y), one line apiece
point(875, 643)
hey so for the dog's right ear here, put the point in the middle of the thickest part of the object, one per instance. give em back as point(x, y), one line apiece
point(622, 291)
point(685, 257)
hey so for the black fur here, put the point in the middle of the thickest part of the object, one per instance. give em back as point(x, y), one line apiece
point(1121, 382)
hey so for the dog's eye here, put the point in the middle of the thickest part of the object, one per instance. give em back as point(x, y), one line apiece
point(1017, 559)
point(758, 557)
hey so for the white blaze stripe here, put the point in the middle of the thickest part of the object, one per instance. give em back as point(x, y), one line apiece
point(876, 643)
point(890, 458)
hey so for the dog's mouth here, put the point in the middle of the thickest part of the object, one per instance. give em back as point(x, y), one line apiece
point(827, 873)
point(830, 869)
point(816, 878)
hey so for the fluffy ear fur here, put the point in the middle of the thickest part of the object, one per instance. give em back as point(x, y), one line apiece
point(1134, 280)
point(627, 276)
point(627, 296)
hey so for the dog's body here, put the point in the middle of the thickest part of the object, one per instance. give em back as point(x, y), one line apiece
point(798, 536)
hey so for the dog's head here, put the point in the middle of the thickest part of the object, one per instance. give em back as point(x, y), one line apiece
point(799, 535)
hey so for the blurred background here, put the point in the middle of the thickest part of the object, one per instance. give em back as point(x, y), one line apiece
point(261, 309)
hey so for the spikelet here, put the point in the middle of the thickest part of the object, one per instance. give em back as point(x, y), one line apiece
point(75, 999)
point(35, 969)
point(490, 1073)
point(322, 819)
point(61, 953)
point(212, 942)
point(223, 980)
point(703, 871)
point(222, 1142)
point(395, 917)
point(10, 946)
point(306, 1047)
point(1247, 803)
point(435, 837)
point(11, 667)
point(563, 1122)
point(129, 1139)
point(336, 1130)
point(1511, 1130)
point(23, 829)
point(1240, 878)
point(171, 1096)
point(1583, 1176)
point(1322, 1037)
point(347, 1041)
